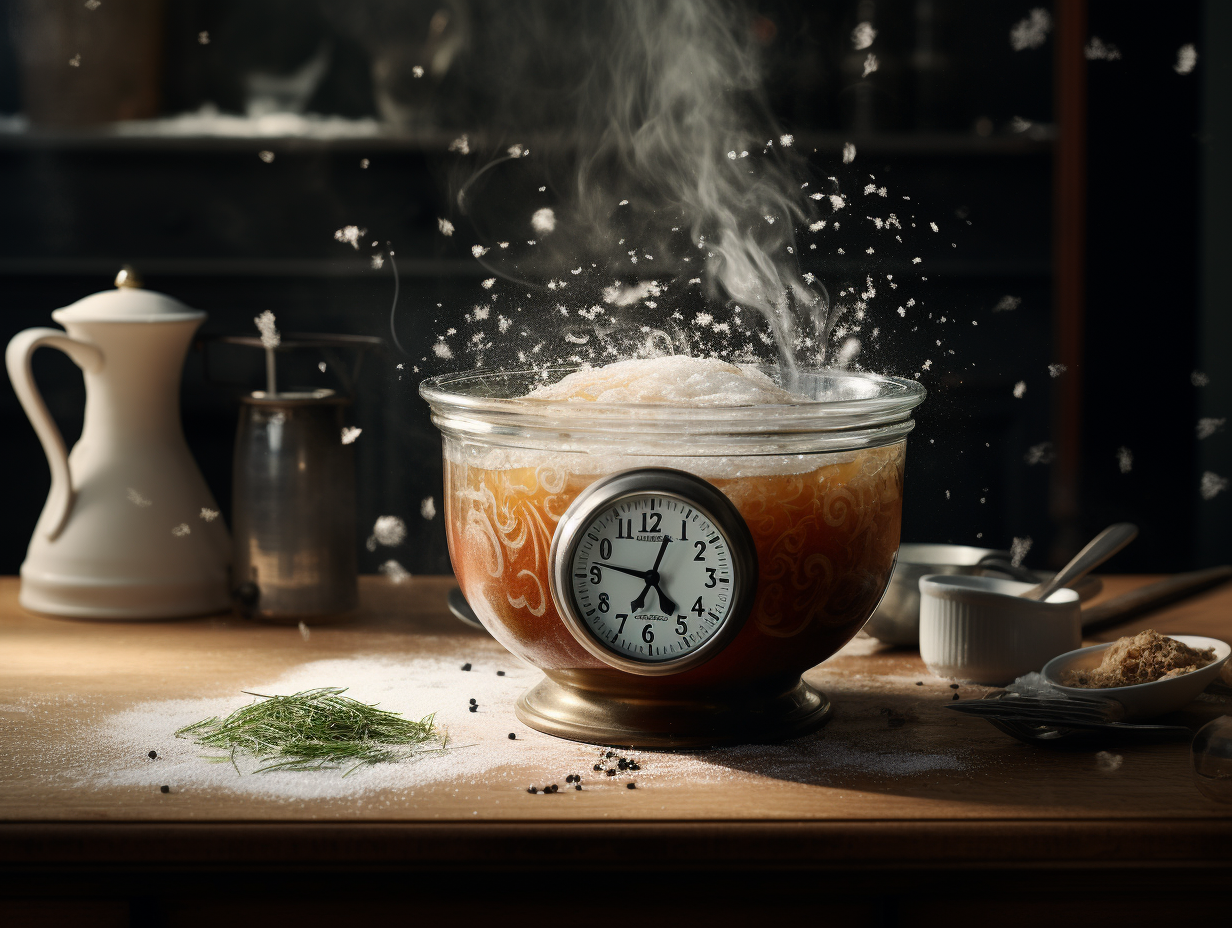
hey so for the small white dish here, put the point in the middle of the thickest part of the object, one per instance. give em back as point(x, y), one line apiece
point(979, 629)
point(1143, 700)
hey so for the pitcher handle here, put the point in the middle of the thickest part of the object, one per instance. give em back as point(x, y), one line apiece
point(17, 358)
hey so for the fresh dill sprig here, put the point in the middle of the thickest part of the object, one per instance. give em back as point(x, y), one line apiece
point(313, 730)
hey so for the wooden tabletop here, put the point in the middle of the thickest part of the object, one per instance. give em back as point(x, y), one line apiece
point(894, 780)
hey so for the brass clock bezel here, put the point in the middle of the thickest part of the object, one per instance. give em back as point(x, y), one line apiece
point(675, 484)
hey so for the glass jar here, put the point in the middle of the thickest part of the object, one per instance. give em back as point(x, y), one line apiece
point(819, 484)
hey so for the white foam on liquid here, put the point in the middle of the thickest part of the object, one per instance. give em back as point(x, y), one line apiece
point(677, 380)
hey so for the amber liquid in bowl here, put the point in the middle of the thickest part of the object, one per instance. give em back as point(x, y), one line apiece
point(826, 528)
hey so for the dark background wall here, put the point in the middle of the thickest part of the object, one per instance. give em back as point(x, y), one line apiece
point(206, 220)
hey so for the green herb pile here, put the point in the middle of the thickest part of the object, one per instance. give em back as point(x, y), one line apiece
point(313, 730)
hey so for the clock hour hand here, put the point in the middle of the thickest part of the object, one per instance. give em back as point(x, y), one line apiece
point(667, 604)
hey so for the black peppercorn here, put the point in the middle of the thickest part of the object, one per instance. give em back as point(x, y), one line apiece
point(555, 788)
point(513, 737)
point(532, 790)
point(500, 673)
point(622, 764)
point(466, 666)
point(612, 772)
point(955, 696)
point(577, 786)
point(610, 754)
point(634, 767)
point(473, 708)
point(919, 682)
point(569, 778)
point(953, 686)
point(473, 702)
point(153, 754)
point(630, 786)
point(598, 767)
point(164, 789)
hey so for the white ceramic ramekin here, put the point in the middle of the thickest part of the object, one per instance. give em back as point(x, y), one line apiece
point(980, 630)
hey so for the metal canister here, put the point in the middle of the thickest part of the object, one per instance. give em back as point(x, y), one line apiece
point(293, 507)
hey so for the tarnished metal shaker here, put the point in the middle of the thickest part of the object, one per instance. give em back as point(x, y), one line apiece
point(293, 507)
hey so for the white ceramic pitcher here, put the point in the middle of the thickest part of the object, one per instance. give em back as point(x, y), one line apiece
point(130, 530)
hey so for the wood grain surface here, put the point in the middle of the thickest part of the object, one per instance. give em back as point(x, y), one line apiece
point(1007, 802)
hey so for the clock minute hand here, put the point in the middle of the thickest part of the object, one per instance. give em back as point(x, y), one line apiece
point(640, 574)
point(667, 604)
point(663, 547)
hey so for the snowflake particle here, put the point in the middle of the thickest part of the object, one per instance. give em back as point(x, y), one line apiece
point(862, 36)
point(1031, 32)
point(1212, 485)
point(1099, 50)
point(1019, 548)
point(1186, 59)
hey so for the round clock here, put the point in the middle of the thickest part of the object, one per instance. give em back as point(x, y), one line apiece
point(653, 570)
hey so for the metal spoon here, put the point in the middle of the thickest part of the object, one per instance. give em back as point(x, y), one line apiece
point(1099, 549)
point(462, 610)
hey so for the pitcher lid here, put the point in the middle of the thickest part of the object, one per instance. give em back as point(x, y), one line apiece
point(127, 303)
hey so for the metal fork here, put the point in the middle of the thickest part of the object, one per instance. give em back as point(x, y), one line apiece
point(1043, 709)
point(1061, 721)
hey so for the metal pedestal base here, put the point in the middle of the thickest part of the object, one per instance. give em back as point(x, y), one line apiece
point(583, 715)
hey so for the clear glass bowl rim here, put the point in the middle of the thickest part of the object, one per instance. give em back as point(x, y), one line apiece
point(470, 406)
point(895, 396)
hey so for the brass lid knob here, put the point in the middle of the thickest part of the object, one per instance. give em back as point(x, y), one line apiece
point(128, 277)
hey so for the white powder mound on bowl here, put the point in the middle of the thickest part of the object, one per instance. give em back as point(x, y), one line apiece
point(677, 380)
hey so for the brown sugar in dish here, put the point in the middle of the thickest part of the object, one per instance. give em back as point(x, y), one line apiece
point(1143, 658)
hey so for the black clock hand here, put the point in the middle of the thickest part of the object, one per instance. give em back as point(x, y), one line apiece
point(652, 580)
point(665, 602)
point(663, 547)
point(640, 574)
point(668, 605)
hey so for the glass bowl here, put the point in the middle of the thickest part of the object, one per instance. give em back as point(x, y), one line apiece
point(819, 484)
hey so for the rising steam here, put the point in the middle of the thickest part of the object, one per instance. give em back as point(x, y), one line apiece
point(679, 163)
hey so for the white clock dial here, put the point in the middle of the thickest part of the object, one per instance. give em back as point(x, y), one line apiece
point(653, 570)
point(652, 577)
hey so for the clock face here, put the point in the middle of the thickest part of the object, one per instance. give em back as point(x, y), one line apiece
point(652, 577)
